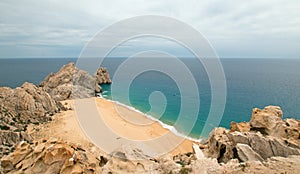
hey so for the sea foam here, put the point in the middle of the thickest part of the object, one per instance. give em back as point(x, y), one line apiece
point(164, 125)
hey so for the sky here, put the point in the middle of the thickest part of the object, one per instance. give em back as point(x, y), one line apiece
point(235, 28)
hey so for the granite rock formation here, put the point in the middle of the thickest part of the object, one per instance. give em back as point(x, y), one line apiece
point(20, 107)
point(70, 83)
point(266, 135)
point(102, 77)
point(50, 156)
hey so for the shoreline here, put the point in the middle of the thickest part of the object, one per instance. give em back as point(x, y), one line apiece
point(133, 125)
point(164, 125)
point(66, 126)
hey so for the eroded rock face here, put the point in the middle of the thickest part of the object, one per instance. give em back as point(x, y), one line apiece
point(269, 122)
point(20, 107)
point(48, 157)
point(69, 83)
point(28, 103)
point(265, 120)
point(241, 127)
point(103, 76)
point(129, 159)
point(220, 146)
point(246, 153)
point(266, 136)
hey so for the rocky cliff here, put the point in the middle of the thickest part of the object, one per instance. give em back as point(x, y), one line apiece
point(70, 82)
point(20, 107)
point(102, 77)
point(265, 136)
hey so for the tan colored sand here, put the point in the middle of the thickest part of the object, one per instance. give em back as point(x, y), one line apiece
point(134, 125)
point(124, 122)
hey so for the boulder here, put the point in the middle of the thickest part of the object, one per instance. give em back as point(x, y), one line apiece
point(246, 153)
point(129, 159)
point(198, 152)
point(266, 120)
point(226, 145)
point(219, 145)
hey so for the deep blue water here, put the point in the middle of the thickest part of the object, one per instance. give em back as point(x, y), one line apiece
point(250, 83)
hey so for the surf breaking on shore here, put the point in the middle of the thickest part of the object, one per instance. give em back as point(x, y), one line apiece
point(164, 125)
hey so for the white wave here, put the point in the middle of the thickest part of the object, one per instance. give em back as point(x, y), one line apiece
point(164, 125)
point(99, 95)
point(104, 92)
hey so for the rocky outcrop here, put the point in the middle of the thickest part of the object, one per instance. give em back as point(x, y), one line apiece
point(129, 159)
point(8, 139)
point(28, 104)
point(246, 153)
point(268, 136)
point(70, 83)
point(269, 121)
point(102, 76)
point(241, 127)
point(50, 156)
point(20, 107)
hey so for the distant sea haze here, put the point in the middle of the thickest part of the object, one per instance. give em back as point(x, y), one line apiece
point(250, 83)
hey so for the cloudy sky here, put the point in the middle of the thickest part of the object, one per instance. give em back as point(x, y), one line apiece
point(235, 28)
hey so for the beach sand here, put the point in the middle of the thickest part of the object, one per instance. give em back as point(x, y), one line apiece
point(117, 126)
point(136, 126)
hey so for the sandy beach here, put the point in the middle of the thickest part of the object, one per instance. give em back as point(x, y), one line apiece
point(127, 127)
point(136, 126)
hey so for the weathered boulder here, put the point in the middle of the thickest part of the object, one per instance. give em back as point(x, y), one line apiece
point(129, 159)
point(47, 157)
point(204, 166)
point(69, 83)
point(241, 127)
point(219, 145)
point(246, 153)
point(223, 145)
point(266, 120)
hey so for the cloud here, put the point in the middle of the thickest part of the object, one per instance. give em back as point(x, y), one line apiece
point(257, 28)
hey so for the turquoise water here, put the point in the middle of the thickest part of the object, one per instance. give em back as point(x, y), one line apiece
point(250, 83)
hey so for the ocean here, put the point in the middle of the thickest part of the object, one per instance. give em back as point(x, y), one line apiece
point(250, 83)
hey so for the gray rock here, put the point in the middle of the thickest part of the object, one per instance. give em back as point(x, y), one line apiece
point(246, 153)
point(69, 83)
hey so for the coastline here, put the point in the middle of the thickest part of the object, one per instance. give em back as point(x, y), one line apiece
point(164, 125)
point(65, 126)
point(130, 123)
